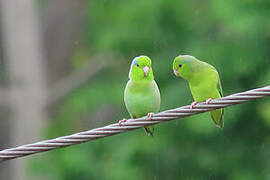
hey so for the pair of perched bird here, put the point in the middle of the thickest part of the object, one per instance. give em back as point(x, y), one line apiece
point(142, 96)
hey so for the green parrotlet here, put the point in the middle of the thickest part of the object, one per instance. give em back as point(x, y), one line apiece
point(142, 96)
point(203, 80)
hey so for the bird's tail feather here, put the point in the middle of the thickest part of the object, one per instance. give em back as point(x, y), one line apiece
point(217, 117)
point(149, 130)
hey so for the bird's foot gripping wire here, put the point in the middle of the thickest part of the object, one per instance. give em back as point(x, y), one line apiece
point(150, 115)
point(122, 121)
point(193, 104)
point(208, 101)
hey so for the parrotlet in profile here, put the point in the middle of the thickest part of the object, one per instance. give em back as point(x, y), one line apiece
point(142, 96)
point(203, 80)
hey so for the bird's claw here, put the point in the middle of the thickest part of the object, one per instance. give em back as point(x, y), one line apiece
point(193, 104)
point(122, 121)
point(208, 101)
point(150, 115)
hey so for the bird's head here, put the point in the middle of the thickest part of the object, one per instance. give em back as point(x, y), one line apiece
point(184, 66)
point(141, 69)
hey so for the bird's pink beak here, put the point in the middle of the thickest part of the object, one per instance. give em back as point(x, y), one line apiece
point(175, 72)
point(145, 70)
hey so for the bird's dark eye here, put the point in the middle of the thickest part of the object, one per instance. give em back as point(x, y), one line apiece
point(180, 65)
point(137, 65)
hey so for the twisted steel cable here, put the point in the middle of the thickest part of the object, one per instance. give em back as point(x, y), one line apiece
point(132, 124)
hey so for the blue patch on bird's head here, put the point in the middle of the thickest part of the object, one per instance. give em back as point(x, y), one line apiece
point(135, 61)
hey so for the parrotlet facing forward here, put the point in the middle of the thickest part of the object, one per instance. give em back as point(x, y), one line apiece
point(142, 96)
point(203, 80)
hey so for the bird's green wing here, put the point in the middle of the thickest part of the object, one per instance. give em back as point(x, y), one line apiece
point(218, 115)
point(219, 87)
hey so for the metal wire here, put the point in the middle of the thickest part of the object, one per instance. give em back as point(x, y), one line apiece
point(132, 124)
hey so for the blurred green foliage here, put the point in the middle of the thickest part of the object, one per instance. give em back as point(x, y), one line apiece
point(234, 36)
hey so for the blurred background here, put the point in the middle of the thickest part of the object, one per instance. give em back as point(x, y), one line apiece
point(64, 67)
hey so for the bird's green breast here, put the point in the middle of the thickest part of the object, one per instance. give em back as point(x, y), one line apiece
point(142, 98)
